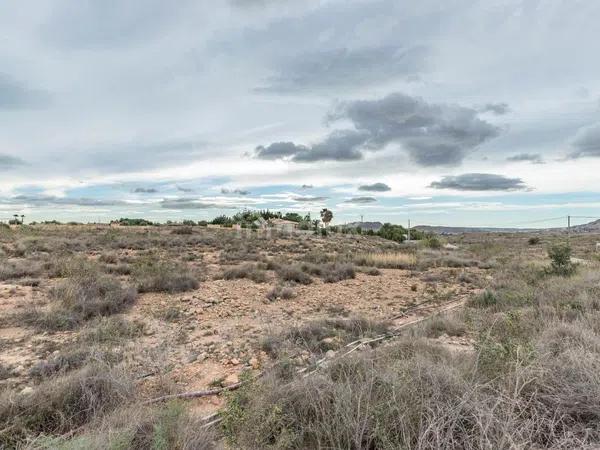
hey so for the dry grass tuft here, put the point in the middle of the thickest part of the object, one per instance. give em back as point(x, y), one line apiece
point(160, 275)
point(388, 260)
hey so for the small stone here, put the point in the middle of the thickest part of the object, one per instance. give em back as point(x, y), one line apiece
point(254, 362)
point(191, 357)
point(235, 361)
point(329, 354)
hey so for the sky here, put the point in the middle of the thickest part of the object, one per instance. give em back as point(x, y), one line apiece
point(455, 112)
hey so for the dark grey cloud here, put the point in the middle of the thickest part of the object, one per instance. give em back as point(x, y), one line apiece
point(8, 161)
point(586, 142)
point(534, 158)
point(341, 145)
point(433, 134)
point(479, 182)
point(234, 191)
point(375, 187)
point(338, 68)
point(309, 199)
point(278, 150)
point(361, 200)
point(191, 203)
point(141, 190)
point(338, 146)
point(184, 189)
point(497, 108)
point(16, 95)
point(307, 186)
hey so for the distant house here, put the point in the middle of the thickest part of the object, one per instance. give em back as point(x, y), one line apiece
point(283, 225)
point(260, 223)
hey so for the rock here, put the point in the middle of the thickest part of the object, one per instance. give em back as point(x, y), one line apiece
point(450, 247)
point(328, 340)
point(254, 362)
point(234, 361)
point(27, 390)
point(329, 354)
point(191, 357)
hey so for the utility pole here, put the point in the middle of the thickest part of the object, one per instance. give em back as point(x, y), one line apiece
point(361, 218)
point(569, 225)
point(408, 235)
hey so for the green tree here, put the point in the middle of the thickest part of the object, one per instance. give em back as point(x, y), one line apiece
point(326, 216)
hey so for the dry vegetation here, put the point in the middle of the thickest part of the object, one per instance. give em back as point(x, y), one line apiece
point(342, 341)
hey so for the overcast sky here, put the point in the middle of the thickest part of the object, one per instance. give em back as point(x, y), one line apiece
point(449, 112)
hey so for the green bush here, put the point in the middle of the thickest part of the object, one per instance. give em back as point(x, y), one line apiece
point(560, 256)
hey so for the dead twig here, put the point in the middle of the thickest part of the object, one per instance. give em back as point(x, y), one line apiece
point(194, 394)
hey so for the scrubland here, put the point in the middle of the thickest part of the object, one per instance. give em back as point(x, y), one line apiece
point(296, 341)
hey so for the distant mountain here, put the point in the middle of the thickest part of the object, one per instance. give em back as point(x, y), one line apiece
point(591, 227)
point(375, 226)
point(460, 230)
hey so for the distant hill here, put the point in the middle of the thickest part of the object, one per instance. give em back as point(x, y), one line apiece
point(375, 226)
point(460, 230)
point(591, 227)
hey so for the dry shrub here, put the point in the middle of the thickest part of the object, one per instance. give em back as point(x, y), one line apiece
point(388, 260)
point(10, 270)
point(322, 335)
point(61, 404)
point(182, 230)
point(87, 293)
point(402, 396)
point(114, 329)
point(293, 273)
point(159, 275)
point(450, 326)
point(281, 292)
point(330, 272)
point(162, 427)
point(249, 271)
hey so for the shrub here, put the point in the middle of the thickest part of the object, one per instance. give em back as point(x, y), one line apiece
point(484, 300)
point(534, 240)
point(182, 230)
point(395, 233)
point(87, 294)
point(444, 325)
point(281, 292)
point(391, 260)
point(313, 335)
point(294, 273)
point(18, 269)
point(250, 271)
point(62, 404)
point(338, 272)
point(432, 241)
point(159, 275)
point(114, 329)
point(560, 255)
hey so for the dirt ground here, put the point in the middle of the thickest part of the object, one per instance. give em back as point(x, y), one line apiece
point(208, 336)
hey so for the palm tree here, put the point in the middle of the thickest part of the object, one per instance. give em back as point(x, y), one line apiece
point(22, 219)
